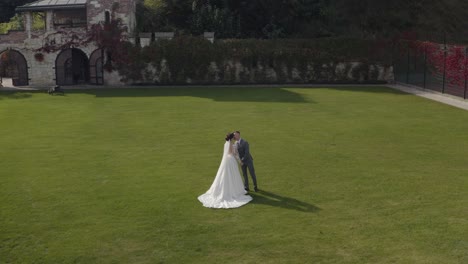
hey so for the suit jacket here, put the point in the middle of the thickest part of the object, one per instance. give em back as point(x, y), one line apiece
point(244, 151)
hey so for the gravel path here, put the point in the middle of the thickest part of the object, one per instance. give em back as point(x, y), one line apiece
point(432, 95)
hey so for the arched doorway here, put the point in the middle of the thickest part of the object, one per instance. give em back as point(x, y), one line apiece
point(13, 65)
point(96, 66)
point(71, 67)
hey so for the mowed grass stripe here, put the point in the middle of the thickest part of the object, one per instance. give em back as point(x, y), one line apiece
point(348, 175)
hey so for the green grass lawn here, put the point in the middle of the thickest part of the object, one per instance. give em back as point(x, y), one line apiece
point(347, 175)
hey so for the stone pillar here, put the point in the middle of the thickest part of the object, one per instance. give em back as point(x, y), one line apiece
point(49, 20)
point(28, 22)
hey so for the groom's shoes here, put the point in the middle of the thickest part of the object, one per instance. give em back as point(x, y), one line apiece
point(255, 189)
point(247, 189)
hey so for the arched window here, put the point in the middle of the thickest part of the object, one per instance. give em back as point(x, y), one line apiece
point(107, 17)
point(13, 65)
point(71, 67)
point(96, 74)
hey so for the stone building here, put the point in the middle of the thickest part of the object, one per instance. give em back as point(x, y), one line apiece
point(23, 64)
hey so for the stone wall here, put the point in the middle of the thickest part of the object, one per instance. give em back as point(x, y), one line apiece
point(125, 11)
point(13, 36)
point(42, 73)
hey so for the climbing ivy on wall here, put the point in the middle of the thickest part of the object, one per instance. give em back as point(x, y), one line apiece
point(189, 57)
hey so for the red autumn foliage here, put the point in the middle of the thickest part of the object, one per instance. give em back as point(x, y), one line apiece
point(108, 36)
point(63, 39)
point(451, 59)
point(112, 38)
point(5, 56)
point(39, 57)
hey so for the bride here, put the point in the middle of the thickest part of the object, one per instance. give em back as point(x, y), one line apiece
point(227, 190)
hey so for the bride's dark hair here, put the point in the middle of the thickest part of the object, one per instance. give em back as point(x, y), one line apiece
point(229, 136)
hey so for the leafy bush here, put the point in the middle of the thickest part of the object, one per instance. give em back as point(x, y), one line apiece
point(189, 57)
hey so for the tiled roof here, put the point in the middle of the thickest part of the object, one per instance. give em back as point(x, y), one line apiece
point(52, 4)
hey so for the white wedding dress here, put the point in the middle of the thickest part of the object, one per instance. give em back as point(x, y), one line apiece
point(227, 190)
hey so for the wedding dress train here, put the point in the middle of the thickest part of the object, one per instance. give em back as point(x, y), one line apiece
point(227, 190)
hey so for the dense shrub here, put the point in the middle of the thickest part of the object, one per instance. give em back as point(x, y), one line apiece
point(190, 57)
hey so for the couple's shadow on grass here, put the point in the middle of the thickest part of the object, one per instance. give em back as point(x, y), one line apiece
point(272, 199)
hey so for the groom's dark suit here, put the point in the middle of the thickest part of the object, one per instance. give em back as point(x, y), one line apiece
point(247, 162)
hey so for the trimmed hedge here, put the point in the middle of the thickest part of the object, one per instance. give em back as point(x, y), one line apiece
point(189, 59)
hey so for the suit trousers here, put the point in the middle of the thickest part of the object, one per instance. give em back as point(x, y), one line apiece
point(252, 174)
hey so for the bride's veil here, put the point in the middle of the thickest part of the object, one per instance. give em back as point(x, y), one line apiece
point(226, 150)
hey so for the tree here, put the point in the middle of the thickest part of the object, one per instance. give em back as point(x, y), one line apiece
point(308, 18)
point(376, 18)
point(7, 8)
point(214, 16)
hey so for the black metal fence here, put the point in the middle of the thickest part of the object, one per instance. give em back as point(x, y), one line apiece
point(412, 66)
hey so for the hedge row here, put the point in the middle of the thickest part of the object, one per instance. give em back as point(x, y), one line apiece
point(190, 57)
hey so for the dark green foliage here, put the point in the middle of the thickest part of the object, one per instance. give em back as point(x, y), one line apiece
point(186, 57)
point(212, 18)
point(7, 8)
point(297, 18)
point(190, 57)
point(306, 18)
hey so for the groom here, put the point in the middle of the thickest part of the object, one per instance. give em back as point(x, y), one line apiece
point(246, 161)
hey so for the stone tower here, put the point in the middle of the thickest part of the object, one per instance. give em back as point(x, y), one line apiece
point(104, 10)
